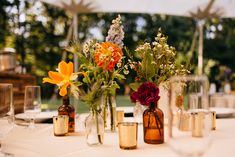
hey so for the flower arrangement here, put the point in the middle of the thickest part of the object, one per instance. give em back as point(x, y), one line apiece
point(101, 65)
point(65, 79)
point(112, 48)
point(156, 62)
point(153, 118)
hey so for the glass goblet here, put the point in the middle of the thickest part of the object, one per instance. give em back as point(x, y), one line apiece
point(32, 103)
point(6, 112)
point(189, 116)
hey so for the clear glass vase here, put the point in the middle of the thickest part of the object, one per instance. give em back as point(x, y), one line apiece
point(109, 112)
point(94, 126)
point(138, 113)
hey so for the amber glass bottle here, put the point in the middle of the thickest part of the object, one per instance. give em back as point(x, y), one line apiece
point(67, 109)
point(153, 123)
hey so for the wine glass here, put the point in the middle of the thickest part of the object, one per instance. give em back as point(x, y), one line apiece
point(6, 112)
point(32, 103)
point(190, 121)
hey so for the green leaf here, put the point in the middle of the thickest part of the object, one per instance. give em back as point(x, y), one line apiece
point(78, 83)
point(85, 80)
point(120, 76)
point(114, 86)
point(147, 67)
point(82, 59)
point(134, 86)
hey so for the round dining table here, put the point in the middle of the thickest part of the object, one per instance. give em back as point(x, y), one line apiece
point(41, 142)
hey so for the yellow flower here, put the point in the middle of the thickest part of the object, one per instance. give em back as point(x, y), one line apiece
point(63, 78)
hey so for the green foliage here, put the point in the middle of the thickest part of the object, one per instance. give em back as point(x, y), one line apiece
point(90, 90)
point(39, 49)
point(92, 96)
point(157, 62)
point(95, 81)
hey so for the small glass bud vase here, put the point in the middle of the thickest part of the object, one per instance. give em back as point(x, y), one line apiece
point(153, 123)
point(138, 113)
point(94, 126)
point(109, 112)
point(67, 109)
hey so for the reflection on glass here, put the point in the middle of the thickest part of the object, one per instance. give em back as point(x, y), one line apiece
point(32, 103)
point(119, 116)
point(6, 112)
point(190, 120)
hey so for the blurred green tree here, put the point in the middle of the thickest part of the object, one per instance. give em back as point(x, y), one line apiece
point(38, 32)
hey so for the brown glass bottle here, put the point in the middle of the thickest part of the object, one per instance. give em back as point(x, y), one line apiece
point(153, 123)
point(67, 109)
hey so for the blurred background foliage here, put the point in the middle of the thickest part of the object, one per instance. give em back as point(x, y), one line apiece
point(37, 31)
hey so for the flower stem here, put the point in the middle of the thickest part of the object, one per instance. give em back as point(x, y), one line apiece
point(158, 121)
point(97, 126)
point(104, 111)
point(149, 121)
point(111, 113)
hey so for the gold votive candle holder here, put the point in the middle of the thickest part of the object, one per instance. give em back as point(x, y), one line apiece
point(119, 116)
point(183, 121)
point(60, 125)
point(213, 119)
point(128, 134)
point(197, 124)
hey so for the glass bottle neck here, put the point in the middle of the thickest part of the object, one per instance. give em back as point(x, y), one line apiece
point(152, 106)
point(66, 100)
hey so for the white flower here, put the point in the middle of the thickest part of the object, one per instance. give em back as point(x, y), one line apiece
point(132, 66)
point(126, 72)
point(119, 64)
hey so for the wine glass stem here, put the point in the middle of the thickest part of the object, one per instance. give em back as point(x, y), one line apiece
point(31, 123)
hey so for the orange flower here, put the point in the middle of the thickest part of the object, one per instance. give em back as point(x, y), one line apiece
point(107, 55)
point(63, 78)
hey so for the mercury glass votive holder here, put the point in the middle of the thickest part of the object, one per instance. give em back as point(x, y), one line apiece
point(60, 125)
point(128, 134)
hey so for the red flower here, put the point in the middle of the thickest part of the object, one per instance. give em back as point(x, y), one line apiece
point(146, 94)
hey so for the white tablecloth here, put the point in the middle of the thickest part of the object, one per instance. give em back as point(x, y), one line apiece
point(42, 143)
